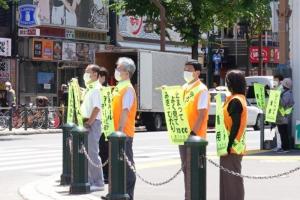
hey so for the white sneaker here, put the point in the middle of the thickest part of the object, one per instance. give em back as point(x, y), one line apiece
point(96, 188)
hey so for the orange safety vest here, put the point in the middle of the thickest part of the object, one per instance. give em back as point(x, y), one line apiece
point(191, 98)
point(239, 146)
point(117, 107)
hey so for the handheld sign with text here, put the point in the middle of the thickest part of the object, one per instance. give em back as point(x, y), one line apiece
point(259, 90)
point(176, 120)
point(273, 105)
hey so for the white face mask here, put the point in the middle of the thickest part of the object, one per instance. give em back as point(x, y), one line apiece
point(188, 76)
point(118, 75)
point(275, 83)
point(86, 77)
point(7, 88)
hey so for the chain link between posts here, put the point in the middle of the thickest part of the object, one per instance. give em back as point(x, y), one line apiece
point(132, 167)
point(84, 151)
point(286, 173)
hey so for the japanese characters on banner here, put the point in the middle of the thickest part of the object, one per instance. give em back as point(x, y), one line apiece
point(269, 54)
point(106, 111)
point(5, 47)
point(4, 72)
point(259, 90)
point(273, 105)
point(221, 132)
point(74, 112)
point(176, 119)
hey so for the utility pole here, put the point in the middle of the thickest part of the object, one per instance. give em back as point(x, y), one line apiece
point(162, 11)
point(283, 25)
point(112, 25)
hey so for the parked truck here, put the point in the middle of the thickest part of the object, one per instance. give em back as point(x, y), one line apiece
point(154, 69)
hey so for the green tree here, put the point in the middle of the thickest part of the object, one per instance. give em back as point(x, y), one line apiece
point(190, 18)
point(4, 4)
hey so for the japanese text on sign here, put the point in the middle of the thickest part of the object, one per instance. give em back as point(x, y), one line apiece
point(176, 120)
point(259, 90)
point(273, 105)
point(221, 132)
point(106, 111)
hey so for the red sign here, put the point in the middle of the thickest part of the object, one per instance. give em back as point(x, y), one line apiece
point(269, 54)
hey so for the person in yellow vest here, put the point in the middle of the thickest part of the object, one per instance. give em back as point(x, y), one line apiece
point(124, 107)
point(90, 109)
point(196, 100)
point(235, 121)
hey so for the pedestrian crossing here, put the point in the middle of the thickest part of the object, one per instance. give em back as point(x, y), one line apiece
point(47, 159)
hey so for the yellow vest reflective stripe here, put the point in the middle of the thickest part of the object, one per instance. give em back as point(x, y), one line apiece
point(286, 111)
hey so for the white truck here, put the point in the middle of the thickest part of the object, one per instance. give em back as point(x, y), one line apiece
point(154, 69)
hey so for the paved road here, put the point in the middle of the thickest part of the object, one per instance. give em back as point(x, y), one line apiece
point(27, 158)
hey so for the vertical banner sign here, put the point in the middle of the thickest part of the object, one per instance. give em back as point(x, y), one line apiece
point(177, 123)
point(77, 102)
point(106, 111)
point(70, 112)
point(221, 132)
point(259, 90)
point(297, 136)
point(273, 105)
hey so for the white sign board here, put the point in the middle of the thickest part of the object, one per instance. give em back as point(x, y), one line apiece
point(5, 47)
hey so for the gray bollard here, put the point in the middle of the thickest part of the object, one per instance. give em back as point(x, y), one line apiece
point(196, 167)
point(79, 164)
point(65, 178)
point(117, 167)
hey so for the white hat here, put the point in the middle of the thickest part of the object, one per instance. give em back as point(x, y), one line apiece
point(287, 82)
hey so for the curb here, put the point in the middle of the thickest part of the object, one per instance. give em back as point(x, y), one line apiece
point(30, 132)
point(49, 189)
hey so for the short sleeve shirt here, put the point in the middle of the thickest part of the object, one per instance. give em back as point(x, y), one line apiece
point(128, 99)
point(92, 99)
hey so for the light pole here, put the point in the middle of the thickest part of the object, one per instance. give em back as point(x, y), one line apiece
point(162, 11)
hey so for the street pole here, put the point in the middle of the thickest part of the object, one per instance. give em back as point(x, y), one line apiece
point(112, 25)
point(283, 25)
point(162, 12)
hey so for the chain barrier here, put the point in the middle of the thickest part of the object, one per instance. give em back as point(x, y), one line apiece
point(83, 150)
point(253, 177)
point(132, 167)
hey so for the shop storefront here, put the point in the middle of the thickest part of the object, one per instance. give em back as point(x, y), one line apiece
point(58, 48)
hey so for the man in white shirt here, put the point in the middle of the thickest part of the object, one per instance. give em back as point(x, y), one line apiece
point(90, 109)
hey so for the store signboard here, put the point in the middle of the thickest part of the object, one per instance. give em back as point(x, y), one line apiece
point(69, 51)
point(82, 52)
point(297, 135)
point(5, 47)
point(29, 32)
point(42, 49)
point(84, 14)
point(4, 72)
point(269, 54)
point(28, 16)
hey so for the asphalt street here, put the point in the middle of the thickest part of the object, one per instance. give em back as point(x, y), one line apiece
point(24, 159)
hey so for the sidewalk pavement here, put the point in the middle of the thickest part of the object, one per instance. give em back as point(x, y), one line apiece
point(49, 188)
point(29, 131)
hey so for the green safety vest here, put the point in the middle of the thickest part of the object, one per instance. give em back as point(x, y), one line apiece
point(284, 112)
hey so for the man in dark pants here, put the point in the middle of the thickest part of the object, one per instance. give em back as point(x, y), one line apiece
point(284, 114)
point(124, 106)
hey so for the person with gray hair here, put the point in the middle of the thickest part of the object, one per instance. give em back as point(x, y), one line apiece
point(124, 107)
point(10, 94)
point(284, 114)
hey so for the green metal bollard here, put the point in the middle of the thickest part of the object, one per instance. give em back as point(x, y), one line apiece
point(65, 178)
point(79, 164)
point(196, 167)
point(262, 132)
point(117, 167)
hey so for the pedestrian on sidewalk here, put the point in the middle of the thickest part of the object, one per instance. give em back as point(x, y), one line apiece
point(10, 95)
point(124, 107)
point(90, 108)
point(235, 121)
point(284, 114)
point(103, 144)
point(197, 100)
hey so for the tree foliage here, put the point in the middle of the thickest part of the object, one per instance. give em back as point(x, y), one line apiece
point(4, 4)
point(190, 18)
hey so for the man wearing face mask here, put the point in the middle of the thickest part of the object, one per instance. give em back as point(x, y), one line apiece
point(197, 100)
point(90, 109)
point(10, 95)
point(124, 106)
